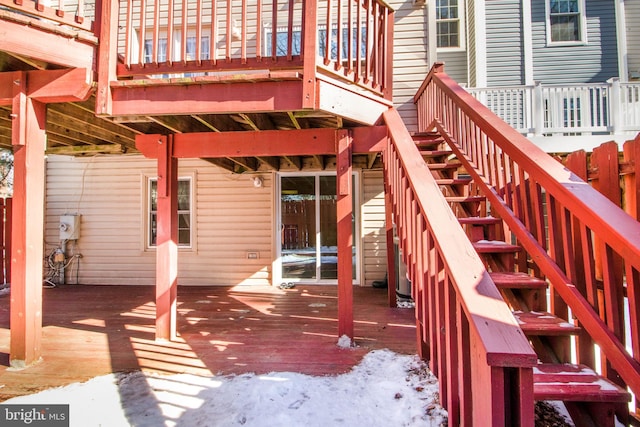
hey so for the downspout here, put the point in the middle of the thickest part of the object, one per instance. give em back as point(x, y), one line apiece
point(480, 28)
point(621, 37)
point(527, 43)
point(432, 33)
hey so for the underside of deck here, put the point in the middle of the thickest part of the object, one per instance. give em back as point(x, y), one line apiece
point(95, 330)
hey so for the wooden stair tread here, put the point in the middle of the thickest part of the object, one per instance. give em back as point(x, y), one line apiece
point(453, 181)
point(465, 199)
point(516, 280)
point(443, 166)
point(542, 323)
point(576, 383)
point(427, 139)
point(494, 246)
point(479, 220)
point(435, 153)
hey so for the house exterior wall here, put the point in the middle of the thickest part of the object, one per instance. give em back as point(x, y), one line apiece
point(108, 193)
point(232, 217)
point(504, 40)
point(410, 60)
point(373, 234)
point(632, 15)
point(592, 62)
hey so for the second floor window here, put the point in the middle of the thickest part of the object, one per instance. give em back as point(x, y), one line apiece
point(565, 20)
point(448, 20)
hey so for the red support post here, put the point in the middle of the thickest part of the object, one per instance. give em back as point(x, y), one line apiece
point(167, 241)
point(344, 193)
point(28, 138)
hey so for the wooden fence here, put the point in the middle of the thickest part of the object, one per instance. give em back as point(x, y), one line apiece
point(5, 240)
point(611, 172)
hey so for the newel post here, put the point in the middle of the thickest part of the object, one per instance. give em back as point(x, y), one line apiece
point(615, 102)
point(538, 110)
point(309, 49)
point(107, 30)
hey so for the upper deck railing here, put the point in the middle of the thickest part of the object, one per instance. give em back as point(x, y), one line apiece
point(347, 39)
point(77, 14)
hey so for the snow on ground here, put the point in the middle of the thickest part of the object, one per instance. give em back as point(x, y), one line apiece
point(385, 389)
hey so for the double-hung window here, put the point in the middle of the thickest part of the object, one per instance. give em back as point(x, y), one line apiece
point(185, 212)
point(566, 21)
point(449, 23)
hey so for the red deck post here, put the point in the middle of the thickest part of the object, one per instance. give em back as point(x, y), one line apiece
point(345, 234)
point(167, 241)
point(28, 138)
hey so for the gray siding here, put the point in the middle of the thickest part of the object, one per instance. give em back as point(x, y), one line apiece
point(632, 14)
point(455, 65)
point(505, 49)
point(594, 62)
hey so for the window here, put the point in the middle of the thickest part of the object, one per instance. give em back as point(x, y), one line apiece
point(184, 212)
point(448, 23)
point(296, 43)
point(565, 21)
point(190, 49)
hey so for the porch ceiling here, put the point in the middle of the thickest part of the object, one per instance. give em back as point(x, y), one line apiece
point(74, 129)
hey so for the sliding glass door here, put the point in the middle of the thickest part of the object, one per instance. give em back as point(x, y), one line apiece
point(308, 240)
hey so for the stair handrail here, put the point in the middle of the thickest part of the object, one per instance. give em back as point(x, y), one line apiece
point(477, 349)
point(508, 167)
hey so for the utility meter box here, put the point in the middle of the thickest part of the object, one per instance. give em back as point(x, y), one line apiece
point(69, 227)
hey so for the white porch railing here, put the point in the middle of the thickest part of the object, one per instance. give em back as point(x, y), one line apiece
point(603, 108)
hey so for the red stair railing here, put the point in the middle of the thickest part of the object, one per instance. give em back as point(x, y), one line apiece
point(466, 330)
point(586, 247)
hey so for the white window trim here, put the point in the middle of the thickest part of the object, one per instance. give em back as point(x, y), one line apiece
point(146, 186)
point(463, 30)
point(582, 28)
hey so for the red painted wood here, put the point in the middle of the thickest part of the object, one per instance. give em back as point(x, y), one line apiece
point(29, 139)
point(69, 85)
point(53, 14)
point(208, 98)
point(108, 52)
point(344, 190)
point(69, 52)
point(8, 237)
point(4, 228)
point(167, 242)
point(631, 151)
point(589, 208)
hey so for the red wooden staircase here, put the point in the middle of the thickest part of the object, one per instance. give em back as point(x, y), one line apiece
point(488, 224)
point(589, 397)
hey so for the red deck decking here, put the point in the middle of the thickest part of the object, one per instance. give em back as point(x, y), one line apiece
point(94, 330)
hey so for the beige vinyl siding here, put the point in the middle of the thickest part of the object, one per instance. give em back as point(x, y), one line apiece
point(108, 192)
point(632, 15)
point(374, 251)
point(232, 217)
point(410, 61)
